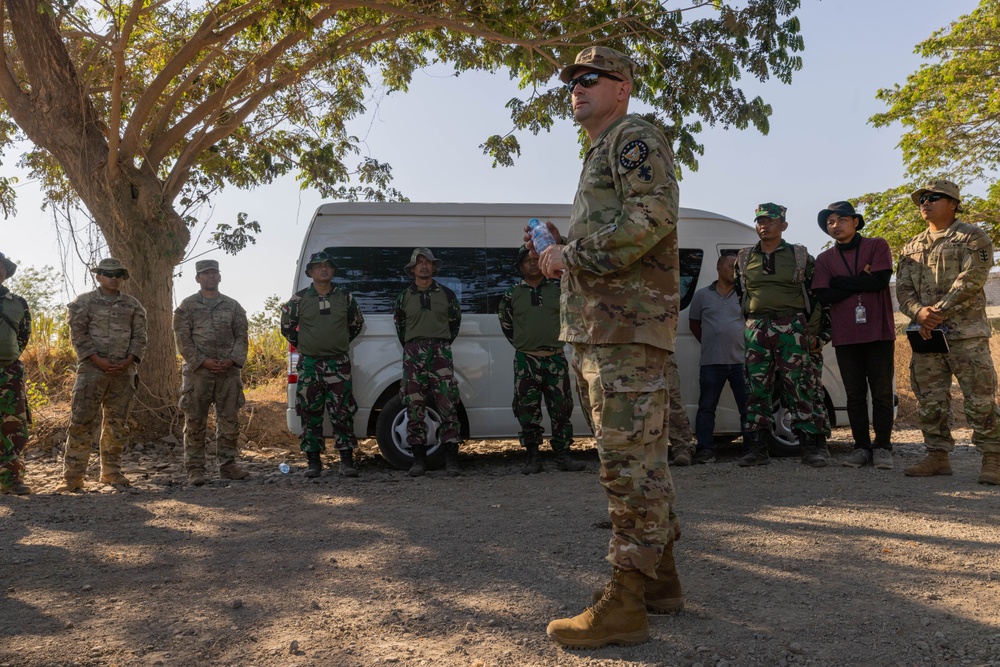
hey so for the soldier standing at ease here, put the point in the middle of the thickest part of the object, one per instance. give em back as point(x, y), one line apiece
point(939, 283)
point(211, 333)
point(321, 321)
point(529, 318)
point(15, 330)
point(108, 330)
point(428, 316)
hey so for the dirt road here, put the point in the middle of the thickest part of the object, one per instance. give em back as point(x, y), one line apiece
point(782, 565)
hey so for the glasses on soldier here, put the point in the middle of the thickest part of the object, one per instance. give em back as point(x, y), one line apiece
point(931, 197)
point(113, 274)
point(587, 80)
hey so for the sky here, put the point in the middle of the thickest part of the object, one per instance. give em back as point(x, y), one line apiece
point(820, 149)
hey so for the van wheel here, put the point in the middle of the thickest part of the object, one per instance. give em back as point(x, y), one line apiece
point(782, 441)
point(390, 432)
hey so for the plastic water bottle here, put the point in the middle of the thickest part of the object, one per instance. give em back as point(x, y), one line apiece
point(541, 237)
point(283, 468)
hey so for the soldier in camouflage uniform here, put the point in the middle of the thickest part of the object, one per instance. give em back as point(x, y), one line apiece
point(783, 328)
point(15, 330)
point(427, 317)
point(620, 301)
point(211, 333)
point(321, 321)
point(529, 318)
point(682, 442)
point(939, 283)
point(108, 330)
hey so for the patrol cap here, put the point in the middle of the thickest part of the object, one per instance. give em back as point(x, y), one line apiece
point(205, 265)
point(769, 210)
point(426, 252)
point(319, 258)
point(601, 59)
point(941, 187)
point(110, 265)
point(9, 267)
point(840, 208)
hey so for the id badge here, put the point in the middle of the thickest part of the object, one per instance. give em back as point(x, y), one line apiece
point(860, 314)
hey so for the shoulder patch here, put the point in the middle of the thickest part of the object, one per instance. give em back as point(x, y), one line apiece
point(634, 154)
point(984, 256)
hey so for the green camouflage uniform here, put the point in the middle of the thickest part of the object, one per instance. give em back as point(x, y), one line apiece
point(210, 329)
point(112, 327)
point(322, 327)
point(681, 437)
point(427, 323)
point(949, 272)
point(15, 330)
point(529, 318)
point(620, 302)
point(823, 332)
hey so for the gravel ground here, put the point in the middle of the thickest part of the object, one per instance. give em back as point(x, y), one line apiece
point(782, 565)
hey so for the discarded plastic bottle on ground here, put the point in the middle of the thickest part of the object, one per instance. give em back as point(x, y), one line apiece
point(283, 467)
point(541, 237)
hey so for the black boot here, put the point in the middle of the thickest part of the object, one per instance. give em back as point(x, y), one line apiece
point(315, 464)
point(451, 460)
point(347, 468)
point(812, 452)
point(419, 467)
point(533, 464)
point(567, 463)
point(756, 450)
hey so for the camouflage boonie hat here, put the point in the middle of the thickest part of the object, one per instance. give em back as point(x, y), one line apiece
point(110, 264)
point(769, 210)
point(601, 59)
point(522, 252)
point(840, 208)
point(941, 187)
point(9, 267)
point(426, 252)
point(205, 265)
point(319, 258)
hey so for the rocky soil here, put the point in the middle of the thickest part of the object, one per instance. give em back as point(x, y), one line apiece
point(782, 565)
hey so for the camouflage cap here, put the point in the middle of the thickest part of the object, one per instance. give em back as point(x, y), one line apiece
point(319, 258)
point(602, 59)
point(9, 267)
point(522, 253)
point(205, 265)
point(941, 187)
point(769, 210)
point(839, 208)
point(110, 264)
point(426, 252)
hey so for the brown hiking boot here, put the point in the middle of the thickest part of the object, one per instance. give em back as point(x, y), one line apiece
point(683, 457)
point(663, 595)
point(619, 617)
point(990, 474)
point(71, 485)
point(17, 488)
point(936, 463)
point(232, 471)
point(115, 479)
point(196, 477)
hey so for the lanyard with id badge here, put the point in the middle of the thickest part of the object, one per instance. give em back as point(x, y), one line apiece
point(860, 314)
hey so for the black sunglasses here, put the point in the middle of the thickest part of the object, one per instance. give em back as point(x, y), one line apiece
point(587, 80)
point(113, 274)
point(933, 197)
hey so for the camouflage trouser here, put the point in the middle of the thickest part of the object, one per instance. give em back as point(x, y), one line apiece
point(14, 416)
point(681, 437)
point(200, 390)
point(930, 377)
point(94, 391)
point(777, 352)
point(325, 385)
point(623, 390)
point(536, 378)
point(429, 376)
point(820, 418)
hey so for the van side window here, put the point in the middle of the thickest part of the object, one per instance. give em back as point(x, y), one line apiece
point(690, 270)
point(478, 276)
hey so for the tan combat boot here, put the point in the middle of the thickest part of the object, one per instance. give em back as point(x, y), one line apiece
point(936, 463)
point(232, 471)
point(70, 485)
point(196, 477)
point(990, 474)
point(115, 479)
point(663, 594)
point(619, 617)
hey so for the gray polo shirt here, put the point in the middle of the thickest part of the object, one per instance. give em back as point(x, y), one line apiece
point(722, 326)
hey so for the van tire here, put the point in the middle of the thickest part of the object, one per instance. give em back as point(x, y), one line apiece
point(390, 433)
point(781, 441)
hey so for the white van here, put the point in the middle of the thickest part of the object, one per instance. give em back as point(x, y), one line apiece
point(477, 244)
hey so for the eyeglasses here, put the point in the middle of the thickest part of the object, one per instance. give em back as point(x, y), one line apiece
point(113, 274)
point(933, 197)
point(587, 80)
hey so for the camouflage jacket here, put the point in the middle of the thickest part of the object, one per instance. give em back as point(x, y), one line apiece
point(949, 273)
point(15, 324)
point(210, 329)
point(110, 326)
point(623, 272)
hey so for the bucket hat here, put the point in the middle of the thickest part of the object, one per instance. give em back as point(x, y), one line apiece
point(110, 264)
point(426, 252)
point(941, 187)
point(840, 208)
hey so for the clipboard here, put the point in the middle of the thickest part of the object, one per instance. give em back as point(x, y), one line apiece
point(937, 343)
